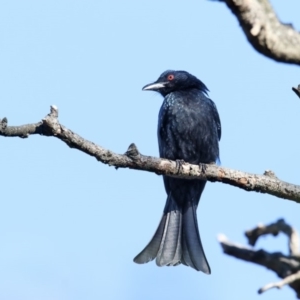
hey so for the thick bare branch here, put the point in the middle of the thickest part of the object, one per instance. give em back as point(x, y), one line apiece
point(274, 229)
point(50, 126)
point(281, 264)
point(265, 32)
point(287, 267)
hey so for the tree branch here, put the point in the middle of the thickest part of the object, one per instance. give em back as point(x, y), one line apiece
point(279, 263)
point(286, 267)
point(274, 229)
point(265, 32)
point(288, 280)
point(50, 126)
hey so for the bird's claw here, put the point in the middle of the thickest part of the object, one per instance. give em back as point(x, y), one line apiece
point(179, 163)
point(203, 168)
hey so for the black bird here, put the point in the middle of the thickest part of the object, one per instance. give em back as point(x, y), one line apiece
point(189, 129)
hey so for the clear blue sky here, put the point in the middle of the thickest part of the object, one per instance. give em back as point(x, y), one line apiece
point(70, 226)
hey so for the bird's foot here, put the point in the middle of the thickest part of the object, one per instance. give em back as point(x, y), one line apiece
point(179, 163)
point(203, 168)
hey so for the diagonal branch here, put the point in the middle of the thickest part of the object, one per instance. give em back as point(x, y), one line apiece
point(279, 263)
point(265, 32)
point(50, 126)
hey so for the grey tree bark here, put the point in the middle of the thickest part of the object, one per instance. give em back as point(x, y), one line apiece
point(50, 126)
point(264, 30)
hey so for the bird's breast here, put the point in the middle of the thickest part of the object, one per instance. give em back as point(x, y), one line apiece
point(186, 130)
point(176, 133)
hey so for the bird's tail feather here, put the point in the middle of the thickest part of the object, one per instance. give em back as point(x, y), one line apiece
point(176, 239)
point(169, 252)
point(150, 251)
point(165, 245)
point(192, 250)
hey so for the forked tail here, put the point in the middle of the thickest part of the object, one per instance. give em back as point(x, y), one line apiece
point(176, 239)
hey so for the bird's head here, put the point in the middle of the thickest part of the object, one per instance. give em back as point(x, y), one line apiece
point(171, 81)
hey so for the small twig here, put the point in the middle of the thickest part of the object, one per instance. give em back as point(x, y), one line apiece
point(297, 90)
point(287, 280)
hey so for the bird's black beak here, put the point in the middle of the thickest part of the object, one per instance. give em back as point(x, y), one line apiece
point(155, 86)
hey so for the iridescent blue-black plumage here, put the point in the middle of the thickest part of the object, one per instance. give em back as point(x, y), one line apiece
point(189, 129)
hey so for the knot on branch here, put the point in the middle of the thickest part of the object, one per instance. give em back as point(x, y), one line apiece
point(53, 111)
point(3, 124)
point(256, 28)
point(270, 173)
point(50, 122)
point(133, 152)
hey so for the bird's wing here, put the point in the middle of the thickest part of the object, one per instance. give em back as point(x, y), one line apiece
point(216, 119)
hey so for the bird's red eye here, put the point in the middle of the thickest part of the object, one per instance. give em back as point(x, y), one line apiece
point(170, 77)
